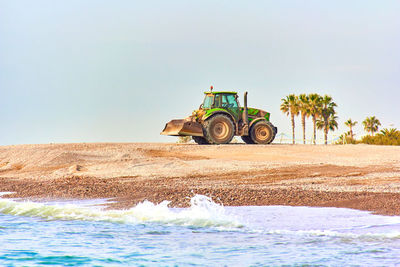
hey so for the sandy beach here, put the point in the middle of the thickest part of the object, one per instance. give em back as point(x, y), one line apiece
point(353, 176)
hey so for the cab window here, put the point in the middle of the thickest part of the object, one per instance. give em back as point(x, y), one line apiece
point(228, 101)
point(231, 100)
point(218, 101)
point(208, 101)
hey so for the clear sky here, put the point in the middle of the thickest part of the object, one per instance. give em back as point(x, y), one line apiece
point(117, 71)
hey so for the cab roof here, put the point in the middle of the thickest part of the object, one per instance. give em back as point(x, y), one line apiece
point(221, 92)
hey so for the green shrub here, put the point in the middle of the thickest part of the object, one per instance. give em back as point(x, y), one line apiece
point(387, 137)
point(184, 139)
point(345, 139)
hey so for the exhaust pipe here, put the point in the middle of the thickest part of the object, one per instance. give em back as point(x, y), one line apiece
point(245, 116)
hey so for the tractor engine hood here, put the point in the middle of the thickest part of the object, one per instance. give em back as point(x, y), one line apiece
point(257, 113)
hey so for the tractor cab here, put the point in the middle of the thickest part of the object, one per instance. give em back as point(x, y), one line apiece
point(220, 100)
point(227, 101)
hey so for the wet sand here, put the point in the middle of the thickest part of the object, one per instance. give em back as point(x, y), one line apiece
point(352, 176)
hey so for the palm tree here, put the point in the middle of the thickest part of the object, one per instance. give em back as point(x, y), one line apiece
point(391, 133)
point(349, 123)
point(304, 107)
point(371, 124)
point(328, 125)
point(327, 110)
point(314, 101)
point(290, 106)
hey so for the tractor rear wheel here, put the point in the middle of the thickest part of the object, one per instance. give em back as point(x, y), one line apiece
point(262, 132)
point(218, 129)
point(247, 139)
point(200, 140)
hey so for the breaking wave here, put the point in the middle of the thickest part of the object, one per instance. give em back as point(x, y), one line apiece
point(203, 212)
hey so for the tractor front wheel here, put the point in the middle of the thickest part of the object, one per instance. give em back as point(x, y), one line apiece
point(218, 129)
point(262, 132)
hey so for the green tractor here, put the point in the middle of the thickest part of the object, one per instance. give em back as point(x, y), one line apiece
point(220, 117)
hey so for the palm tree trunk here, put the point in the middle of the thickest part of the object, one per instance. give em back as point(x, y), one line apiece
point(326, 132)
point(303, 122)
point(351, 132)
point(292, 115)
point(314, 119)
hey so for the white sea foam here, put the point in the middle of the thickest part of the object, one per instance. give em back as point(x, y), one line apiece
point(203, 212)
point(337, 234)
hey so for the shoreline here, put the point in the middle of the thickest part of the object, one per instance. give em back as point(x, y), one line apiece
point(350, 176)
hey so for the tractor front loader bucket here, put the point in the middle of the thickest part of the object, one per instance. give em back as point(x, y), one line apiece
point(183, 127)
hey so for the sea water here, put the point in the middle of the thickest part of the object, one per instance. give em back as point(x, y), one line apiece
point(206, 234)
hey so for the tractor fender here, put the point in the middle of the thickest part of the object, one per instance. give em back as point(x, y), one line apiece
point(256, 120)
point(218, 111)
